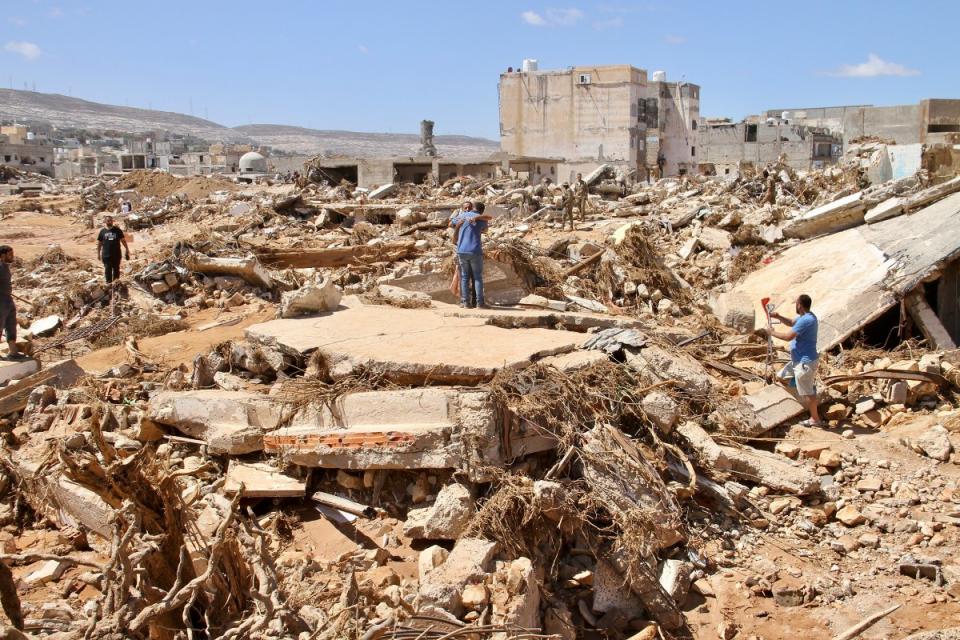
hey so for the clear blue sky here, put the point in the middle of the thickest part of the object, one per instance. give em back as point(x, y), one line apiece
point(384, 66)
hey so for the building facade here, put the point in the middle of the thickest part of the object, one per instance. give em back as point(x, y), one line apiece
point(20, 149)
point(724, 145)
point(586, 116)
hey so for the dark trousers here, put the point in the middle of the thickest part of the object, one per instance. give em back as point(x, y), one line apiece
point(111, 268)
point(8, 318)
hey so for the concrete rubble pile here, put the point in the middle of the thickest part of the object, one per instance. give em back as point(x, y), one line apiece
point(280, 424)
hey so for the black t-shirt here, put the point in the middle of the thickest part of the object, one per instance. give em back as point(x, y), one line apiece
point(111, 242)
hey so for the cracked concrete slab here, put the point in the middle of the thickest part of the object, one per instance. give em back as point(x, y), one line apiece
point(413, 346)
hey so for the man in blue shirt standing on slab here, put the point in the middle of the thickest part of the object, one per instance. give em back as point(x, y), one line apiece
point(803, 355)
point(470, 226)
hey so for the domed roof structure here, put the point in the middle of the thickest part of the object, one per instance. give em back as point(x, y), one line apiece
point(253, 162)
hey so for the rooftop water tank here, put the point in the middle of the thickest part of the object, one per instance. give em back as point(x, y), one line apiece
point(529, 65)
point(659, 76)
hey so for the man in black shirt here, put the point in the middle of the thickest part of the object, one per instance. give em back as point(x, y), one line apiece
point(108, 249)
point(8, 310)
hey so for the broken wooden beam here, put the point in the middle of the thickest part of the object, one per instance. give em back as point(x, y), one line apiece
point(928, 322)
point(330, 258)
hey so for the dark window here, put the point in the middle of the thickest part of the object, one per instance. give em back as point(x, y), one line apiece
point(6, 158)
point(694, 125)
point(727, 171)
point(943, 128)
point(693, 151)
point(750, 133)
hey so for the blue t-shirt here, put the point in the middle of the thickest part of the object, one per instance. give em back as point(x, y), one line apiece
point(468, 239)
point(803, 348)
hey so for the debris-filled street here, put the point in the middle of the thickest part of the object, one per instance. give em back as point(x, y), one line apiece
point(279, 422)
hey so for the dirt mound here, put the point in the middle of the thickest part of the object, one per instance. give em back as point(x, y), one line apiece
point(158, 184)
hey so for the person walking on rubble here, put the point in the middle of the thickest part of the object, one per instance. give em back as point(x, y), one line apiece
point(8, 310)
point(804, 357)
point(108, 249)
point(469, 226)
point(567, 202)
point(580, 193)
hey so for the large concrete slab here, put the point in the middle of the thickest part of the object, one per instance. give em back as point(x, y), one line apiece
point(427, 428)
point(413, 346)
point(501, 284)
point(17, 369)
point(855, 275)
point(773, 405)
point(842, 213)
point(230, 422)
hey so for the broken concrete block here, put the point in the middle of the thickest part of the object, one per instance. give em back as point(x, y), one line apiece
point(429, 559)
point(735, 310)
point(850, 517)
point(228, 381)
point(60, 375)
point(610, 592)
point(49, 571)
point(533, 300)
point(703, 445)
point(260, 480)
point(45, 326)
point(935, 443)
point(675, 578)
point(383, 191)
point(468, 563)
point(771, 470)
point(688, 248)
point(393, 429)
point(446, 519)
point(773, 405)
point(17, 369)
point(401, 297)
point(230, 422)
point(79, 505)
point(840, 214)
point(661, 409)
point(714, 239)
point(522, 607)
point(659, 365)
point(889, 208)
point(310, 300)
point(159, 288)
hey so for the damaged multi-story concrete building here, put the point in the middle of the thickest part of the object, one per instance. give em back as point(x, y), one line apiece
point(21, 149)
point(585, 116)
point(811, 137)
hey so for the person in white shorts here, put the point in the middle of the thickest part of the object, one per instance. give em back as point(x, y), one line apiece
point(804, 357)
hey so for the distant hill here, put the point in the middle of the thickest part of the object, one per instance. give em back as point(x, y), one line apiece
point(61, 111)
point(352, 143)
